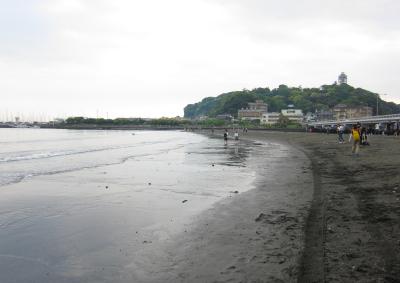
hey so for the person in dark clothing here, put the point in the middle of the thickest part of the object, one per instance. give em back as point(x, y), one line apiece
point(226, 137)
point(364, 138)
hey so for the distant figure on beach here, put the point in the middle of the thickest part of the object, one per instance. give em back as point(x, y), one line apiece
point(355, 135)
point(364, 139)
point(236, 135)
point(226, 137)
point(340, 130)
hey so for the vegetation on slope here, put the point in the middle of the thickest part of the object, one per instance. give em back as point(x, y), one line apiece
point(307, 99)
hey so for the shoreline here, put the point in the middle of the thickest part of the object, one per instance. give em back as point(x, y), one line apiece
point(253, 236)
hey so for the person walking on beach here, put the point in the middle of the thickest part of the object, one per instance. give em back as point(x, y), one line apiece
point(226, 137)
point(340, 130)
point(236, 135)
point(355, 135)
point(363, 135)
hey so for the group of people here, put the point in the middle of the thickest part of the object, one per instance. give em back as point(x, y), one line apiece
point(226, 134)
point(358, 136)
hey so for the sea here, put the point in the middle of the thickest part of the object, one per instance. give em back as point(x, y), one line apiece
point(91, 205)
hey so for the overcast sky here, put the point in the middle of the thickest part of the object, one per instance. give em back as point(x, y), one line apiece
point(150, 58)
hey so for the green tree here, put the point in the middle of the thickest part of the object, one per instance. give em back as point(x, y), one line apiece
point(283, 121)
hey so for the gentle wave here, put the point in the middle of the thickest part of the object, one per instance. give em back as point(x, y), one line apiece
point(16, 178)
point(54, 154)
point(43, 155)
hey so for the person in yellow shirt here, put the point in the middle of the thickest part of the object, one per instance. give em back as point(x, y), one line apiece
point(355, 135)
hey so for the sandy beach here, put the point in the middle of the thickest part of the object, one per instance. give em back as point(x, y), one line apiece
point(339, 221)
point(352, 233)
point(271, 207)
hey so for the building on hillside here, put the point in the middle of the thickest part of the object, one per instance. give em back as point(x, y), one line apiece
point(254, 111)
point(342, 79)
point(294, 115)
point(324, 115)
point(270, 118)
point(310, 117)
point(342, 112)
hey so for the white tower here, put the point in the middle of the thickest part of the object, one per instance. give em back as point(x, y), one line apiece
point(342, 78)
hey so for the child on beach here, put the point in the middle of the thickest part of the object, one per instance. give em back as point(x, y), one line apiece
point(236, 135)
point(355, 135)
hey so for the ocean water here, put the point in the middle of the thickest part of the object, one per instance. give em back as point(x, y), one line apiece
point(92, 206)
point(27, 153)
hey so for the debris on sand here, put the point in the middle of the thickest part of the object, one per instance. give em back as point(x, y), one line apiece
point(275, 217)
point(260, 217)
point(106, 187)
point(185, 200)
point(149, 184)
point(234, 192)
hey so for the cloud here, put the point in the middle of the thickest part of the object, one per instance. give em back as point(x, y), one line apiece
point(151, 58)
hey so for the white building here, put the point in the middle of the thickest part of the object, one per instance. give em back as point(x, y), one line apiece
point(270, 118)
point(294, 115)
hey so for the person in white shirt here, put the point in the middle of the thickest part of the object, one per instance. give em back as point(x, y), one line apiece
point(340, 130)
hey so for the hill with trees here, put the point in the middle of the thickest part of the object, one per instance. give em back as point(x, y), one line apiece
point(307, 99)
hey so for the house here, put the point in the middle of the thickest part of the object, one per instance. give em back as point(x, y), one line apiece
point(324, 115)
point(254, 111)
point(270, 118)
point(294, 115)
point(343, 112)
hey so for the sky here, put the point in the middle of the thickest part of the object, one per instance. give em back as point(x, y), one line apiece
point(129, 58)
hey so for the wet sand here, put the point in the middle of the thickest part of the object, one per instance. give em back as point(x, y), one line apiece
point(338, 221)
point(353, 229)
point(254, 236)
